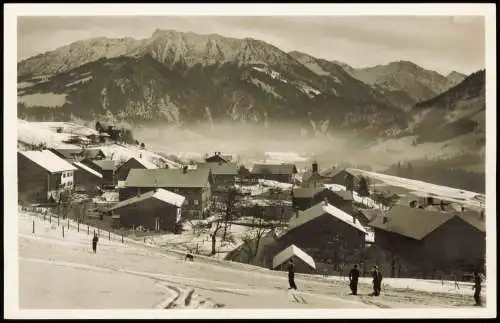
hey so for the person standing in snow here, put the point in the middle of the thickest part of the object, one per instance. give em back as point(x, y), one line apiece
point(353, 279)
point(291, 275)
point(477, 288)
point(377, 281)
point(95, 239)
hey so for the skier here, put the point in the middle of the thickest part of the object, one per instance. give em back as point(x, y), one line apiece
point(353, 279)
point(291, 275)
point(377, 281)
point(477, 287)
point(95, 239)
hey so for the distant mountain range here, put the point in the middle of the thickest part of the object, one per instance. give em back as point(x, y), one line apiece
point(185, 78)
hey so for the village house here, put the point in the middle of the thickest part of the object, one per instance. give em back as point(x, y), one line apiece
point(72, 155)
point(43, 176)
point(106, 167)
point(194, 185)
point(302, 261)
point(87, 179)
point(155, 210)
point(433, 241)
point(312, 179)
point(283, 173)
point(217, 157)
point(304, 198)
point(224, 174)
point(329, 235)
point(339, 176)
point(133, 163)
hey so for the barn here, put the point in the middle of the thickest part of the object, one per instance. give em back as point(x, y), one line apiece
point(43, 176)
point(275, 172)
point(106, 167)
point(304, 198)
point(195, 185)
point(327, 233)
point(133, 163)
point(224, 174)
point(156, 210)
point(87, 179)
point(444, 241)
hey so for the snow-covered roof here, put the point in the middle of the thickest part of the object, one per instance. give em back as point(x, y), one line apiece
point(48, 160)
point(291, 251)
point(321, 209)
point(88, 169)
point(159, 194)
point(146, 163)
point(169, 197)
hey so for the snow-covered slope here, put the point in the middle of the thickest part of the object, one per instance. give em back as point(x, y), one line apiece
point(424, 189)
point(163, 274)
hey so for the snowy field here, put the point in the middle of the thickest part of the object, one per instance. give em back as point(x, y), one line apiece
point(30, 133)
point(122, 153)
point(419, 188)
point(132, 275)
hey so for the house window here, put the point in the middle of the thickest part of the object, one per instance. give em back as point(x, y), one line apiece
point(195, 202)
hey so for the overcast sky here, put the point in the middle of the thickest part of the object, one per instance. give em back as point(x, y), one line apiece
point(439, 43)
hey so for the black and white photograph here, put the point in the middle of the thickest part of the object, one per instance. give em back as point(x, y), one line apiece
point(242, 161)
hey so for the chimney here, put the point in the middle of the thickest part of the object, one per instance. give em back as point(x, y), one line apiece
point(385, 219)
point(315, 167)
point(184, 169)
point(325, 201)
point(353, 219)
point(463, 209)
point(297, 212)
point(481, 216)
point(140, 155)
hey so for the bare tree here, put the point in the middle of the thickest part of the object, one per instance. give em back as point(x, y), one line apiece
point(221, 213)
point(254, 236)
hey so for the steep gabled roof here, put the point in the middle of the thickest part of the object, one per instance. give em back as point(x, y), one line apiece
point(105, 164)
point(332, 172)
point(162, 177)
point(275, 169)
point(322, 209)
point(144, 162)
point(48, 160)
point(87, 169)
point(159, 194)
point(472, 218)
point(410, 222)
point(216, 157)
point(291, 251)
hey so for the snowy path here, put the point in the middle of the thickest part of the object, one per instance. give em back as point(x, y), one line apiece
point(131, 275)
